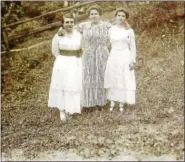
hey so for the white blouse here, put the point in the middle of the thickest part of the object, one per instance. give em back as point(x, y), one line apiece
point(68, 42)
point(121, 38)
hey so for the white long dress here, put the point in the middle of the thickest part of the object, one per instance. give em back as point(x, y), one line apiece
point(119, 79)
point(66, 81)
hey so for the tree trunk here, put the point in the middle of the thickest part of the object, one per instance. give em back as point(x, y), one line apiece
point(47, 27)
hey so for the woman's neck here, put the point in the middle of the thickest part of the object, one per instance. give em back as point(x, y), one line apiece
point(69, 31)
point(122, 25)
point(95, 22)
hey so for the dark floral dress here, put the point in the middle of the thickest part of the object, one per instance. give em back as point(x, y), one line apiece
point(95, 42)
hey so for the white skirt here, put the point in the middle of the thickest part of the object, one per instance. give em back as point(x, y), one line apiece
point(123, 96)
point(66, 84)
point(119, 80)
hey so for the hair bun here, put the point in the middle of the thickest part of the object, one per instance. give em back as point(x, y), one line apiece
point(95, 7)
point(122, 10)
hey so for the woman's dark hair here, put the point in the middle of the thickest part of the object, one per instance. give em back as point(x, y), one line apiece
point(68, 15)
point(122, 10)
point(127, 25)
point(94, 7)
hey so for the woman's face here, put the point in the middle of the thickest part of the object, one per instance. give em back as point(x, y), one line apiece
point(120, 17)
point(68, 23)
point(94, 15)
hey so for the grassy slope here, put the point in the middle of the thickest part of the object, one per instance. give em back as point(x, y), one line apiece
point(153, 126)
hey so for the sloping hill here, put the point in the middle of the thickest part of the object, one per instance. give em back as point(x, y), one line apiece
point(153, 127)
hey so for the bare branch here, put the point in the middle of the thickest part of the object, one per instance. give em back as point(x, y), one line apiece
point(59, 10)
point(27, 48)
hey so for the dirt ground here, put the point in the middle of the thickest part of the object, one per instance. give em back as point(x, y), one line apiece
point(17, 155)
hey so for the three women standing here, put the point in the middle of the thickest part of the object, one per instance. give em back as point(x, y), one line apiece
point(89, 82)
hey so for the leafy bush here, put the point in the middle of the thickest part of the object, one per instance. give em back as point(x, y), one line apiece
point(153, 16)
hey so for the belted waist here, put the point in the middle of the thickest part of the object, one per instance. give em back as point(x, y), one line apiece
point(76, 53)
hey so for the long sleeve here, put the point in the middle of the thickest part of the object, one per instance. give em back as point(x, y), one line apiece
point(55, 48)
point(132, 45)
point(108, 26)
point(109, 40)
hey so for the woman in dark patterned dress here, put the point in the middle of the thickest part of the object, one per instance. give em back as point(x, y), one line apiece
point(95, 43)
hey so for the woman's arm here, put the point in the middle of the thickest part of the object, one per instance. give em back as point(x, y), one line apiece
point(132, 45)
point(108, 26)
point(109, 43)
point(54, 47)
point(79, 27)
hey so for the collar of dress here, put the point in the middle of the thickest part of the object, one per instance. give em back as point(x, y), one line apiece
point(89, 24)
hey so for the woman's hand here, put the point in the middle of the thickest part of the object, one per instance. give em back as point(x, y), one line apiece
point(132, 66)
point(61, 31)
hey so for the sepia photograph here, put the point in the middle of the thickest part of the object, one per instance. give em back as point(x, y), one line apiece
point(92, 80)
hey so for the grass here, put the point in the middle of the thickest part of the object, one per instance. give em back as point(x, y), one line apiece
point(155, 126)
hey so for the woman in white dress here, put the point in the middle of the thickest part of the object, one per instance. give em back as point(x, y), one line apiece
point(120, 75)
point(65, 88)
